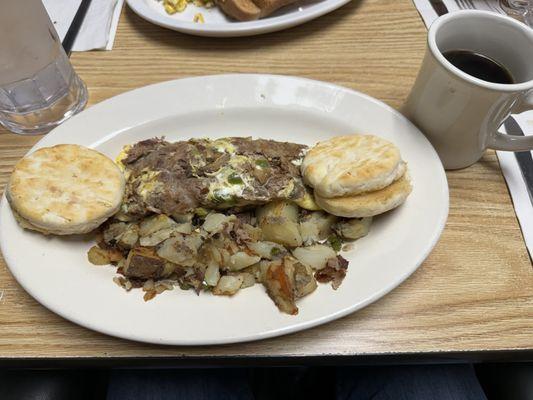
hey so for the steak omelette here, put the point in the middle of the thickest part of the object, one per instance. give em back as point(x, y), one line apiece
point(178, 178)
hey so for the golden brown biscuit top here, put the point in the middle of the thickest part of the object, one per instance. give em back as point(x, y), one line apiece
point(352, 164)
point(65, 185)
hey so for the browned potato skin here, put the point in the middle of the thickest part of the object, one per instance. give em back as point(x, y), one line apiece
point(99, 256)
point(304, 280)
point(143, 263)
point(279, 282)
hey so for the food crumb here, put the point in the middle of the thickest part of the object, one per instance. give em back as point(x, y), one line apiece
point(348, 247)
point(149, 295)
point(199, 18)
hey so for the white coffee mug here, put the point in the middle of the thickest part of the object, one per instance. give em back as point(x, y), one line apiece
point(461, 114)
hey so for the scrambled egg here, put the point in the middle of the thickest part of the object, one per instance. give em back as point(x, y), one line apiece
point(147, 183)
point(198, 18)
point(229, 183)
point(122, 155)
point(118, 160)
point(307, 202)
point(223, 146)
point(174, 6)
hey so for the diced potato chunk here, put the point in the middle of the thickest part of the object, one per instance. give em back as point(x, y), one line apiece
point(99, 256)
point(168, 269)
point(253, 233)
point(353, 228)
point(315, 256)
point(280, 208)
point(156, 237)
point(278, 221)
point(282, 232)
point(114, 231)
point(130, 237)
point(309, 231)
point(248, 280)
point(241, 260)
point(279, 282)
point(228, 285)
point(215, 222)
point(124, 234)
point(183, 218)
point(304, 280)
point(212, 275)
point(316, 226)
point(179, 250)
point(143, 263)
point(268, 250)
point(156, 223)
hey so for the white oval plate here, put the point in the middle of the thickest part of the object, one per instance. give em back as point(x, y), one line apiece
point(55, 270)
point(217, 24)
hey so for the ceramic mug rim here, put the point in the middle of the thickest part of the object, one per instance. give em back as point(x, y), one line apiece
point(465, 14)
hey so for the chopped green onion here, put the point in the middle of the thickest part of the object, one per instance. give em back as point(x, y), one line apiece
point(262, 163)
point(219, 197)
point(274, 251)
point(335, 242)
point(235, 179)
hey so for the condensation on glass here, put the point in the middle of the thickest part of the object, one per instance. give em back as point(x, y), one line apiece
point(39, 89)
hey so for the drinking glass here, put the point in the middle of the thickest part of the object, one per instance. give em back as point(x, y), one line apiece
point(39, 89)
point(520, 9)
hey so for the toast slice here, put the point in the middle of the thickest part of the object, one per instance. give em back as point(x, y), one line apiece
point(241, 10)
point(267, 7)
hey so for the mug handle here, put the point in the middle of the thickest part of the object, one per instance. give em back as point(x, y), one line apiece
point(500, 141)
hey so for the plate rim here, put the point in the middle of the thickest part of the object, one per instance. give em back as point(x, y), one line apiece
point(236, 29)
point(275, 332)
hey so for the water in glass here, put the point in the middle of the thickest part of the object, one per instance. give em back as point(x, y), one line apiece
point(39, 89)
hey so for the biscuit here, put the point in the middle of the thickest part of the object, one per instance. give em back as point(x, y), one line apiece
point(370, 203)
point(349, 165)
point(66, 189)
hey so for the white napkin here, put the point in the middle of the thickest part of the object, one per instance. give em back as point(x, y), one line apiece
point(428, 14)
point(99, 26)
point(509, 165)
point(517, 185)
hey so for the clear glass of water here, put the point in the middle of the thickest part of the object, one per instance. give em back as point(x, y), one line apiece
point(39, 89)
point(520, 9)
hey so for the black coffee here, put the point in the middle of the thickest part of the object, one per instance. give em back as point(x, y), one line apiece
point(479, 66)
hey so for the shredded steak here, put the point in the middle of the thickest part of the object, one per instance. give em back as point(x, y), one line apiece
point(177, 178)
